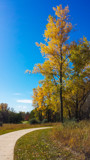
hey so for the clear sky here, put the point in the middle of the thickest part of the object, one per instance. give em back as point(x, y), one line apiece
point(22, 23)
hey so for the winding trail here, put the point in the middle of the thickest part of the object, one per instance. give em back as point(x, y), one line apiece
point(8, 141)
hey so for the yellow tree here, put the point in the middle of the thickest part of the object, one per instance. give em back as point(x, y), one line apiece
point(55, 49)
point(39, 102)
point(3, 106)
point(46, 99)
point(80, 77)
point(35, 97)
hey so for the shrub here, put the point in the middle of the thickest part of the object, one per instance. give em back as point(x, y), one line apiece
point(44, 121)
point(1, 123)
point(34, 121)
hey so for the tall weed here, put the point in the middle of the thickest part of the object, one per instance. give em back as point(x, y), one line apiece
point(75, 136)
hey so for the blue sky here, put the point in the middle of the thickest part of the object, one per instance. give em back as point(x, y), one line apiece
point(22, 23)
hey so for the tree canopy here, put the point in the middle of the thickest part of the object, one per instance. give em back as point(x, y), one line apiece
point(66, 69)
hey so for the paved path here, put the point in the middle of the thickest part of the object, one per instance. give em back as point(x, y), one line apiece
point(8, 141)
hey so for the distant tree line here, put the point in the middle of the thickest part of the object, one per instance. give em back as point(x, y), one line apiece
point(10, 116)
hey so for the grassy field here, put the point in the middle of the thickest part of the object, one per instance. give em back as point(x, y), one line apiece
point(38, 145)
point(70, 141)
point(6, 128)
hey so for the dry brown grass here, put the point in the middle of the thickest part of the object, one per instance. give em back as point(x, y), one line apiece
point(14, 127)
point(74, 136)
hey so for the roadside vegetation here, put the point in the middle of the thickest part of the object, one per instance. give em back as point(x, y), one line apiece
point(74, 136)
point(68, 141)
point(39, 145)
point(6, 128)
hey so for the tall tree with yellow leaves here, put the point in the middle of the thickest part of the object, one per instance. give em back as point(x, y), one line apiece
point(56, 49)
point(80, 77)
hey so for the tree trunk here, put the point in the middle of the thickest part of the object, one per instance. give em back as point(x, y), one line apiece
point(69, 113)
point(76, 114)
point(61, 99)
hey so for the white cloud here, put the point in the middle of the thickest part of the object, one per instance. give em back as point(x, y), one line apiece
point(27, 101)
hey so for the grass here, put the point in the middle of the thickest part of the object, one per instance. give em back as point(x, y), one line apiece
point(75, 137)
point(68, 141)
point(6, 128)
point(38, 145)
point(25, 122)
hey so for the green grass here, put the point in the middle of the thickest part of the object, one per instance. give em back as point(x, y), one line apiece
point(38, 145)
point(25, 122)
point(68, 141)
point(6, 128)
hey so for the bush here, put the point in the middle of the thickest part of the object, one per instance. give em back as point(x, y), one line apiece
point(34, 121)
point(1, 123)
point(44, 121)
